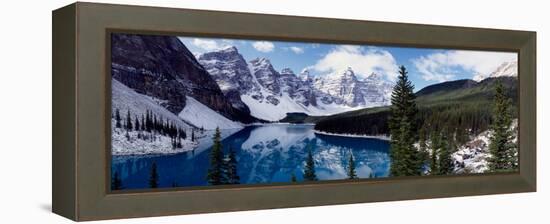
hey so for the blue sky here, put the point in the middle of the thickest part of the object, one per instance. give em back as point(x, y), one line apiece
point(426, 66)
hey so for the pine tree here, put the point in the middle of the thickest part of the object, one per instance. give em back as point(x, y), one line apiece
point(137, 127)
point(183, 134)
point(351, 168)
point(435, 145)
point(142, 122)
point(445, 162)
point(309, 170)
point(178, 144)
point(422, 145)
point(216, 172)
point(117, 119)
point(155, 124)
point(406, 160)
point(129, 121)
point(116, 182)
point(501, 147)
point(231, 168)
point(153, 176)
point(148, 122)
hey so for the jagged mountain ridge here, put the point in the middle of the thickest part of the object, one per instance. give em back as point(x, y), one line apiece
point(163, 67)
point(270, 94)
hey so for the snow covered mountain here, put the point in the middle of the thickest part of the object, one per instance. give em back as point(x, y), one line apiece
point(505, 69)
point(162, 67)
point(231, 72)
point(270, 94)
point(347, 89)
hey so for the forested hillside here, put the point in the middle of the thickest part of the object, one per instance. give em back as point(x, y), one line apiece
point(462, 105)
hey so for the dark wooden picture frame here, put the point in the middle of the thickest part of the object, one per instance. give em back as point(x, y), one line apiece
point(81, 111)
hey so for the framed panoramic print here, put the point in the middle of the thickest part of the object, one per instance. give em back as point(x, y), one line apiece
point(200, 111)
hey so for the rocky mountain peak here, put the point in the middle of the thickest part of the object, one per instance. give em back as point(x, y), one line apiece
point(373, 77)
point(509, 68)
point(506, 69)
point(348, 71)
point(287, 71)
point(227, 54)
point(266, 75)
point(305, 75)
point(230, 49)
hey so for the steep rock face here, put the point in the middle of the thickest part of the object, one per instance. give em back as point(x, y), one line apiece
point(376, 91)
point(300, 91)
point(266, 75)
point(230, 71)
point(162, 67)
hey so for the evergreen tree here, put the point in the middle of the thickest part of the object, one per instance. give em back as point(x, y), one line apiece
point(183, 134)
point(435, 145)
point(178, 143)
point(148, 122)
point(293, 178)
point(406, 160)
point(231, 168)
point(116, 182)
point(155, 124)
point(309, 170)
point(117, 119)
point(351, 168)
point(153, 176)
point(503, 150)
point(422, 145)
point(216, 172)
point(445, 162)
point(137, 127)
point(129, 121)
point(142, 122)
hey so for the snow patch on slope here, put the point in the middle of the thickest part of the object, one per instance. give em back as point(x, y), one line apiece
point(472, 157)
point(125, 98)
point(128, 143)
point(202, 116)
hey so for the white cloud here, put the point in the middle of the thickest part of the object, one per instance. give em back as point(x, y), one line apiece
point(363, 61)
point(211, 45)
point(297, 50)
point(263, 46)
point(443, 66)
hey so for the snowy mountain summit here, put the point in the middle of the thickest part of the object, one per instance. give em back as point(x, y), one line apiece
point(271, 94)
point(509, 68)
point(348, 90)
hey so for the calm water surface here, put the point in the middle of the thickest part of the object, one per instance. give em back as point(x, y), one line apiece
point(265, 154)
